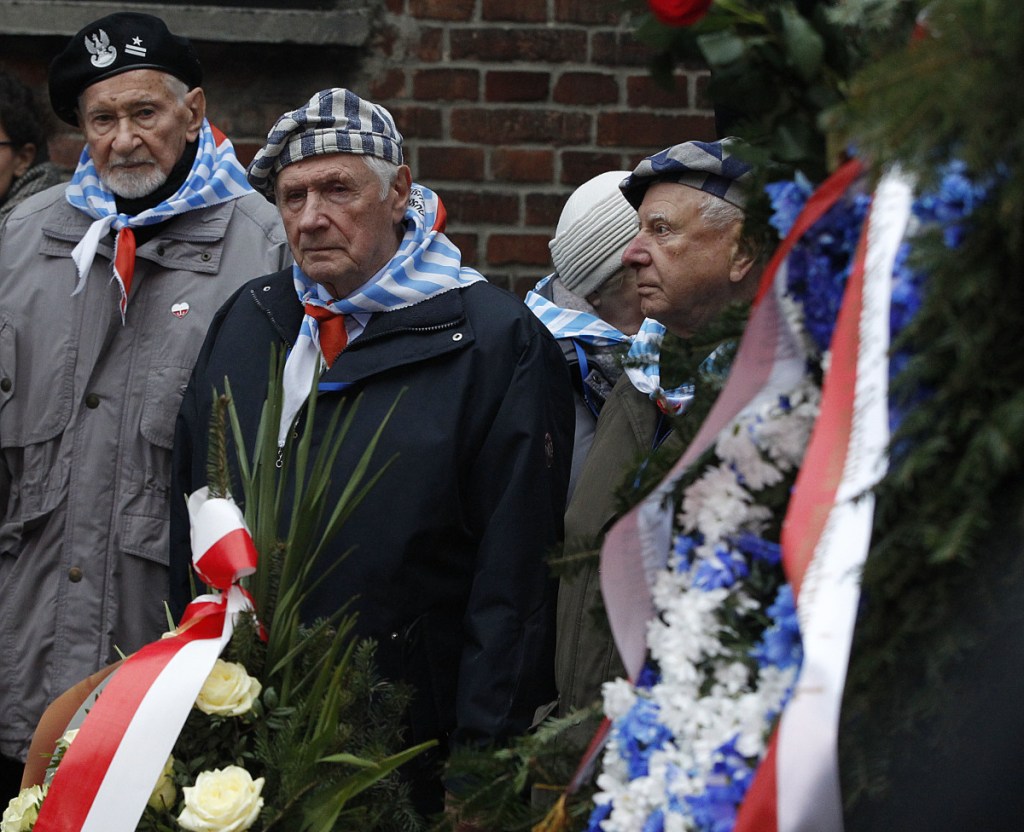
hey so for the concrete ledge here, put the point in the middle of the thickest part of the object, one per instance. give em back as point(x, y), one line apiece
point(347, 25)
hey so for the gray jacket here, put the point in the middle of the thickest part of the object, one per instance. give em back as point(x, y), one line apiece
point(87, 410)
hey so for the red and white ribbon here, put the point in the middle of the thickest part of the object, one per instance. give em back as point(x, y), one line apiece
point(107, 775)
point(826, 534)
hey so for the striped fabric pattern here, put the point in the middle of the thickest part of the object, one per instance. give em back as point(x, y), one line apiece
point(643, 367)
point(426, 264)
point(216, 176)
point(571, 323)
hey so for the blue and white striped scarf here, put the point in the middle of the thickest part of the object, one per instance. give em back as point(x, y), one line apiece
point(216, 176)
point(643, 366)
point(572, 323)
point(426, 264)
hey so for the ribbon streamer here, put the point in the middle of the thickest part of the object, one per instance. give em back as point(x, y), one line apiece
point(826, 535)
point(107, 775)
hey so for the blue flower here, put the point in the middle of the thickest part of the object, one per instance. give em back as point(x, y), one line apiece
point(788, 199)
point(640, 734)
point(722, 570)
point(601, 811)
point(758, 548)
point(727, 784)
point(685, 544)
point(780, 645)
point(648, 678)
point(655, 822)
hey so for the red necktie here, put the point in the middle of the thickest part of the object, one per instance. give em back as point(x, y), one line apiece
point(333, 336)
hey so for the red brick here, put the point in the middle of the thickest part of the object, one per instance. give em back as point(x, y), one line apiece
point(527, 249)
point(619, 49)
point(245, 151)
point(430, 48)
point(467, 244)
point(523, 165)
point(390, 84)
point(416, 122)
point(451, 163)
point(546, 46)
point(446, 85)
point(586, 88)
point(474, 207)
point(442, 9)
point(505, 126)
point(644, 91)
point(588, 11)
point(632, 129)
point(395, 6)
point(578, 166)
point(516, 86)
point(543, 210)
point(522, 11)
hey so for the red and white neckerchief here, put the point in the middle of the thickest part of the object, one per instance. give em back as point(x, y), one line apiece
point(107, 775)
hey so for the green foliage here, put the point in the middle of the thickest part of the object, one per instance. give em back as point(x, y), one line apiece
point(325, 732)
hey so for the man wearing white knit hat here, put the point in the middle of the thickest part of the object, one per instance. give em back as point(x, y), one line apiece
point(590, 303)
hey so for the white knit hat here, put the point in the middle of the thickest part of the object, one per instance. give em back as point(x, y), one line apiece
point(593, 231)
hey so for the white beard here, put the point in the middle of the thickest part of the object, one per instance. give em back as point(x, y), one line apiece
point(133, 183)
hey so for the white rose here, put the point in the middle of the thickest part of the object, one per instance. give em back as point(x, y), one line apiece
point(22, 811)
point(222, 800)
point(164, 793)
point(228, 690)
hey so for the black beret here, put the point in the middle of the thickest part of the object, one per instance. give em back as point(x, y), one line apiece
point(114, 44)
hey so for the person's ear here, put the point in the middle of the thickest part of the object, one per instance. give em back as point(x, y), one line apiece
point(24, 156)
point(399, 193)
point(195, 102)
point(742, 263)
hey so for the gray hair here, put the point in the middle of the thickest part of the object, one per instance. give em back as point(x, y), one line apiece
point(718, 213)
point(385, 171)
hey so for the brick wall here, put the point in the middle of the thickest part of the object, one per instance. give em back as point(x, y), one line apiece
point(505, 106)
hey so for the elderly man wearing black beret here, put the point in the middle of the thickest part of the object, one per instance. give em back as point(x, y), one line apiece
point(107, 286)
point(691, 260)
point(445, 563)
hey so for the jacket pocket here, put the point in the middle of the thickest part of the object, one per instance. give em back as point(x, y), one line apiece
point(164, 389)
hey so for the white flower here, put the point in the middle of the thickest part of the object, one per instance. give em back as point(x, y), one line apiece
point(22, 810)
point(222, 800)
point(228, 690)
point(68, 737)
point(164, 792)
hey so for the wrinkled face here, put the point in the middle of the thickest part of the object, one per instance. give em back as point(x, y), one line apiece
point(340, 230)
point(686, 270)
point(14, 161)
point(136, 126)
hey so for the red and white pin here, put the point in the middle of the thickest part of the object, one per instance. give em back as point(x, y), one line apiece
point(180, 310)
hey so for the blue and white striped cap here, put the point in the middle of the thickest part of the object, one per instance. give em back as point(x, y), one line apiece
point(711, 167)
point(332, 121)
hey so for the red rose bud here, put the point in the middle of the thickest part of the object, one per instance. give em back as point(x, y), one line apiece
point(679, 12)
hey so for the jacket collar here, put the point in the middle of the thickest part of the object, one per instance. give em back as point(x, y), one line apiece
point(427, 329)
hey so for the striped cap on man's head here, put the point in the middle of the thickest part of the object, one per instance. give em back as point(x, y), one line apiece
point(711, 167)
point(332, 121)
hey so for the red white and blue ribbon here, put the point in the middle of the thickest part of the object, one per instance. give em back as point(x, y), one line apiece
point(107, 775)
point(826, 535)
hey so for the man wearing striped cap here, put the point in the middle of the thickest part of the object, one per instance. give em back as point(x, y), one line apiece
point(445, 563)
point(690, 260)
point(107, 285)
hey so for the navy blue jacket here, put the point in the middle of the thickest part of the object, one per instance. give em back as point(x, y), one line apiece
point(447, 569)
